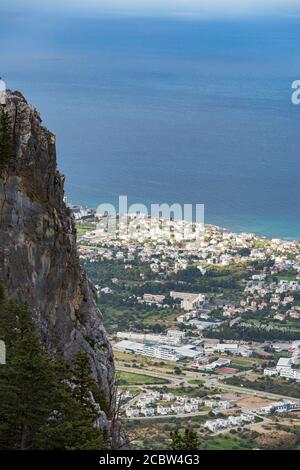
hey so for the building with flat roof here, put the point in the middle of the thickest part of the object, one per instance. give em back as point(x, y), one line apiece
point(160, 351)
point(189, 300)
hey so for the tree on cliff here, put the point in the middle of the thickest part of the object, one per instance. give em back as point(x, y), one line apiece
point(70, 426)
point(38, 407)
point(82, 380)
point(6, 146)
point(25, 380)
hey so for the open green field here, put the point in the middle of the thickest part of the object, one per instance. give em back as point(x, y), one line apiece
point(84, 227)
point(156, 365)
point(227, 442)
point(196, 382)
point(118, 318)
point(130, 378)
point(282, 277)
point(156, 435)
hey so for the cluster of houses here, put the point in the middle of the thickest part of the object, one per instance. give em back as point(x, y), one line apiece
point(161, 404)
point(237, 349)
point(156, 403)
point(140, 227)
point(175, 345)
point(277, 297)
point(280, 407)
point(287, 367)
point(248, 417)
point(209, 348)
point(205, 366)
point(230, 422)
point(152, 244)
point(165, 256)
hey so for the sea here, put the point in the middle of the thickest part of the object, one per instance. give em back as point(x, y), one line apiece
point(169, 111)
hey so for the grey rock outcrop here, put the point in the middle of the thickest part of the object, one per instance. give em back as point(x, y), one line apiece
point(38, 255)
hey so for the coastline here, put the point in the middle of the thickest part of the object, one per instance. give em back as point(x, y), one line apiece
point(218, 227)
point(228, 227)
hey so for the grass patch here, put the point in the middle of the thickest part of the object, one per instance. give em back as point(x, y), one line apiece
point(227, 442)
point(196, 382)
point(84, 227)
point(129, 378)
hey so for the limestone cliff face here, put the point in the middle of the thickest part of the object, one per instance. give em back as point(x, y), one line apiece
point(38, 257)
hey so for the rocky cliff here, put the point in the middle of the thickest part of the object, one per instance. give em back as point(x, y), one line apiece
point(38, 256)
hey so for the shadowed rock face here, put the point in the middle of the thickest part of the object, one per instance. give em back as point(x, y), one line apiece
point(38, 256)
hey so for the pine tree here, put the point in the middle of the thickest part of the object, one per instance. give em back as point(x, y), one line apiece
point(86, 387)
point(6, 145)
point(39, 409)
point(69, 426)
point(184, 441)
point(25, 381)
point(82, 380)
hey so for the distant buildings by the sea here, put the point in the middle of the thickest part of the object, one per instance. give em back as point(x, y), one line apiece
point(80, 212)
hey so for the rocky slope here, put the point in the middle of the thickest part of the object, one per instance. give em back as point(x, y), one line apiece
point(38, 257)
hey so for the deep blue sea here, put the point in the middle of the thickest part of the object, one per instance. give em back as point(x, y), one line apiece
point(169, 111)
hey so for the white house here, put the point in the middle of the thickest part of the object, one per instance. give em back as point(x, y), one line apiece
point(189, 301)
point(270, 372)
point(284, 363)
point(232, 348)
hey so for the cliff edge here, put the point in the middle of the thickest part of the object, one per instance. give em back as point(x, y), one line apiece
point(39, 263)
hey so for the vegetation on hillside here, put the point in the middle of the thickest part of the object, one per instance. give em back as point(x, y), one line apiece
point(45, 404)
point(186, 440)
point(258, 334)
point(275, 385)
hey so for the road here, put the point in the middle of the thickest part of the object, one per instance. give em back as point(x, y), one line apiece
point(180, 415)
point(174, 380)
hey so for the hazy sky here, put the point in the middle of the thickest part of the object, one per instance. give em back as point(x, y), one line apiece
point(184, 8)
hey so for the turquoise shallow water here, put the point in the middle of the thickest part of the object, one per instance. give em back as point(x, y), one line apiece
point(170, 111)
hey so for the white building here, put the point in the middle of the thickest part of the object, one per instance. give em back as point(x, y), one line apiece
point(175, 334)
point(231, 421)
point(148, 337)
point(280, 407)
point(284, 363)
point(160, 351)
point(232, 348)
point(132, 412)
point(189, 301)
point(284, 369)
point(148, 411)
point(270, 372)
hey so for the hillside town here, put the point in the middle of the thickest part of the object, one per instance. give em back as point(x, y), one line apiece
point(221, 309)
